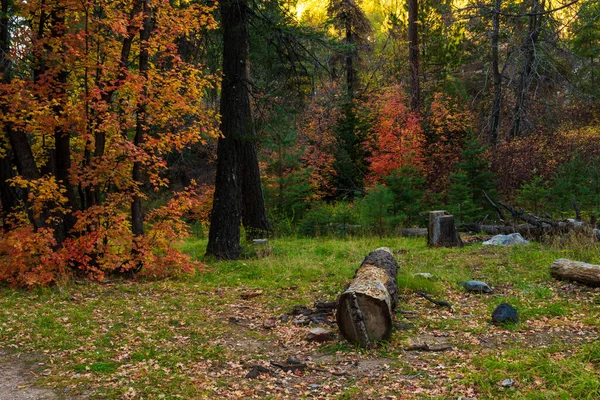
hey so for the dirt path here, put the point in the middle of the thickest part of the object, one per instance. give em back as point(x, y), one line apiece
point(16, 377)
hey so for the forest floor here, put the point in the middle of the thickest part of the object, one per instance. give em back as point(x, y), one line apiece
point(200, 336)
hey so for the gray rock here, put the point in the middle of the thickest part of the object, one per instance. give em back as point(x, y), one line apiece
point(508, 383)
point(514, 239)
point(505, 313)
point(318, 335)
point(476, 286)
point(425, 275)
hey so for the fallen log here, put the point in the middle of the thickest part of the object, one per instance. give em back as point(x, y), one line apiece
point(365, 309)
point(588, 274)
point(442, 230)
point(536, 232)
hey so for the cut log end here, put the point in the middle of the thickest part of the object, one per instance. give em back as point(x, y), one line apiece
point(363, 319)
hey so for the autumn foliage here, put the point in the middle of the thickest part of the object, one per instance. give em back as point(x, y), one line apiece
point(94, 96)
point(396, 138)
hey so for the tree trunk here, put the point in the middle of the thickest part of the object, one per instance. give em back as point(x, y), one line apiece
point(442, 231)
point(350, 75)
point(8, 197)
point(224, 233)
point(588, 274)
point(497, 76)
point(365, 310)
point(7, 193)
point(17, 141)
point(137, 217)
point(526, 76)
point(62, 136)
point(254, 213)
point(413, 54)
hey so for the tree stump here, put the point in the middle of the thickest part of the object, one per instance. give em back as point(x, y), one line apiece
point(588, 274)
point(442, 231)
point(365, 309)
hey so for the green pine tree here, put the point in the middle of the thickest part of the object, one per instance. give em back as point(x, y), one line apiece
point(472, 178)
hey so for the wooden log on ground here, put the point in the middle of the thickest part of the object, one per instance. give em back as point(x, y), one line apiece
point(365, 309)
point(588, 274)
point(442, 231)
point(412, 232)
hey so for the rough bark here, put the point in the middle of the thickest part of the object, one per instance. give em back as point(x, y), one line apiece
point(413, 54)
point(442, 231)
point(254, 213)
point(365, 310)
point(224, 234)
point(588, 274)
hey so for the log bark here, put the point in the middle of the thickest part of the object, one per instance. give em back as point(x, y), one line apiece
point(588, 274)
point(442, 231)
point(365, 309)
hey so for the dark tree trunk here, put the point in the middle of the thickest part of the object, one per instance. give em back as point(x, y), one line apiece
point(413, 54)
point(254, 214)
point(7, 194)
point(62, 137)
point(18, 143)
point(366, 308)
point(497, 76)
point(137, 217)
point(224, 234)
point(350, 74)
point(526, 76)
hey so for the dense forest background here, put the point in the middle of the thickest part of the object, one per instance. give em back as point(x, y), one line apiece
point(347, 117)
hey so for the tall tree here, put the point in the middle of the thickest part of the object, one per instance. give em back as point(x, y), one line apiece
point(530, 63)
point(413, 54)
point(8, 198)
point(497, 76)
point(349, 19)
point(238, 194)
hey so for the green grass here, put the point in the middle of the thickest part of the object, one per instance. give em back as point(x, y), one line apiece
point(196, 337)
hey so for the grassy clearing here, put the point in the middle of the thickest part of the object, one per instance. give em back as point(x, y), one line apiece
point(197, 337)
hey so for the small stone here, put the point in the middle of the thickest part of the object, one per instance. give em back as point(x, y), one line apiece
point(314, 386)
point(508, 383)
point(505, 313)
point(318, 335)
point(424, 275)
point(476, 286)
